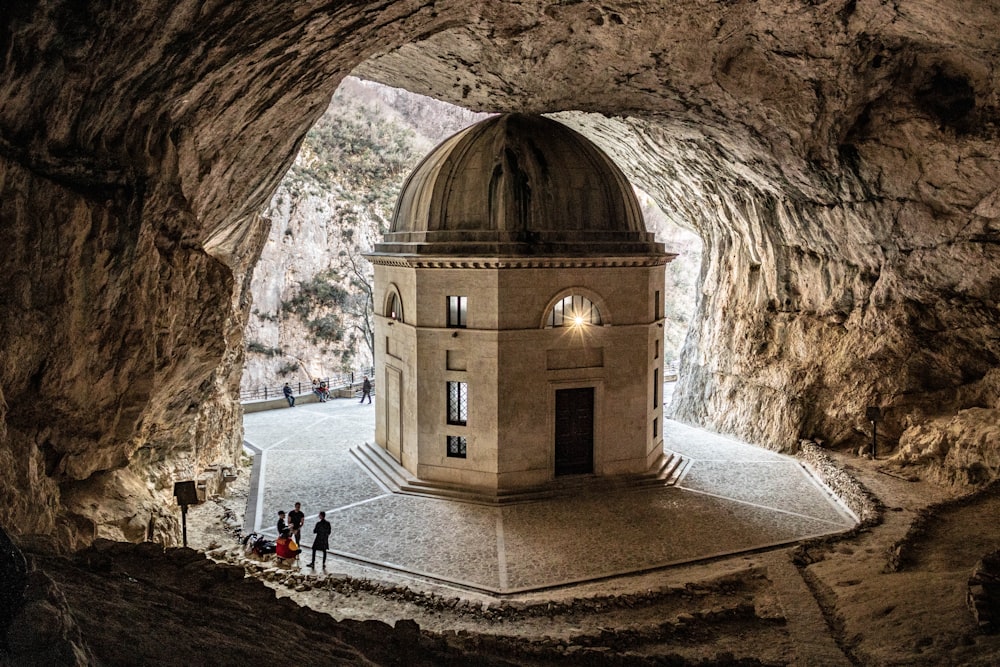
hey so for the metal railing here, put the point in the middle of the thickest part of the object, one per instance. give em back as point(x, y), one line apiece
point(333, 382)
point(352, 378)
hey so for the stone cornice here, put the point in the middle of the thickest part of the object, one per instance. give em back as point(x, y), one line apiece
point(448, 262)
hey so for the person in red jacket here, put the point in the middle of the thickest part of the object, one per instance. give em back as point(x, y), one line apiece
point(285, 546)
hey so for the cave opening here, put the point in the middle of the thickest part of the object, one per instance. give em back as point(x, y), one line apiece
point(312, 300)
point(295, 457)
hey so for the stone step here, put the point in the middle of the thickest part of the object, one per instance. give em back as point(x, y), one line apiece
point(674, 468)
point(380, 464)
point(399, 480)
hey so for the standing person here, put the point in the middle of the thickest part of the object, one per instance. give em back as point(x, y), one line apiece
point(288, 395)
point(281, 522)
point(366, 390)
point(295, 520)
point(322, 541)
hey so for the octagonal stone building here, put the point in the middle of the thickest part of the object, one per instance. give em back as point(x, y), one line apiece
point(518, 314)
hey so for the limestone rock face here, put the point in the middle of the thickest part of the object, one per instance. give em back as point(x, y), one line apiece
point(840, 160)
point(957, 449)
point(328, 210)
point(305, 240)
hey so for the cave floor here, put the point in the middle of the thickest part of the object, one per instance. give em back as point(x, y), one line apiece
point(732, 498)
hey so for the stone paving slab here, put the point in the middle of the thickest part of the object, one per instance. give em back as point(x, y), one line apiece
point(576, 539)
point(446, 540)
point(697, 443)
point(319, 480)
point(334, 433)
point(734, 497)
point(776, 484)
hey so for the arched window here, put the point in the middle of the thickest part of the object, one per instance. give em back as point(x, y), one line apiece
point(574, 310)
point(394, 306)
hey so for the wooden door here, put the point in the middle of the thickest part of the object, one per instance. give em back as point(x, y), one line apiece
point(574, 431)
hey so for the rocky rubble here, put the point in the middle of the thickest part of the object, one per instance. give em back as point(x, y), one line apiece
point(189, 609)
point(499, 610)
point(847, 489)
point(119, 603)
point(984, 592)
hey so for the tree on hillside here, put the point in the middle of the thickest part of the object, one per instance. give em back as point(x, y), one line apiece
point(319, 302)
point(361, 303)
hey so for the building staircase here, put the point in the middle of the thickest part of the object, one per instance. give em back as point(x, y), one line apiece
point(668, 470)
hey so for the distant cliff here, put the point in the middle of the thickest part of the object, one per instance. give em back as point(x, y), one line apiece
point(309, 287)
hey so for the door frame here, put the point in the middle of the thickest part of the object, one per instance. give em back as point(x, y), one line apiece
point(597, 384)
point(396, 373)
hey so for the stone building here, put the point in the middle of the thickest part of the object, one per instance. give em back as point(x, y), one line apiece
point(519, 326)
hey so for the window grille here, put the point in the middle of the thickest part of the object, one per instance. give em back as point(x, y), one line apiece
point(456, 446)
point(458, 403)
point(573, 310)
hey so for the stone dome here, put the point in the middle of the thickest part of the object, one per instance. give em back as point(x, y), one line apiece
point(517, 184)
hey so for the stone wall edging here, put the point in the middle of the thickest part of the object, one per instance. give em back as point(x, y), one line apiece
point(851, 492)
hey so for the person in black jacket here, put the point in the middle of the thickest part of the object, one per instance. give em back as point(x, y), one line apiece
point(322, 540)
point(295, 520)
point(366, 390)
point(288, 395)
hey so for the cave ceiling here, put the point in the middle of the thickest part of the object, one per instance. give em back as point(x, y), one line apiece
point(839, 158)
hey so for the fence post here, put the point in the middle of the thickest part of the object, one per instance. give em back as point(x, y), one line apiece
point(265, 393)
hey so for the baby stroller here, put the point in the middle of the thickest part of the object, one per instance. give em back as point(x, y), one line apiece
point(257, 545)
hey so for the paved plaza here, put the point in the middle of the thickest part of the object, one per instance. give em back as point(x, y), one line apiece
point(731, 498)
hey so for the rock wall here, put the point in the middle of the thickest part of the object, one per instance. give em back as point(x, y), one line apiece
point(813, 309)
point(136, 145)
point(839, 158)
point(306, 238)
point(114, 387)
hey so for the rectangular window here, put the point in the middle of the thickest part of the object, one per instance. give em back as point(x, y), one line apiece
point(456, 446)
point(656, 352)
point(656, 306)
point(656, 387)
point(457, 306)
point(656, 427)
point(458, 403)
